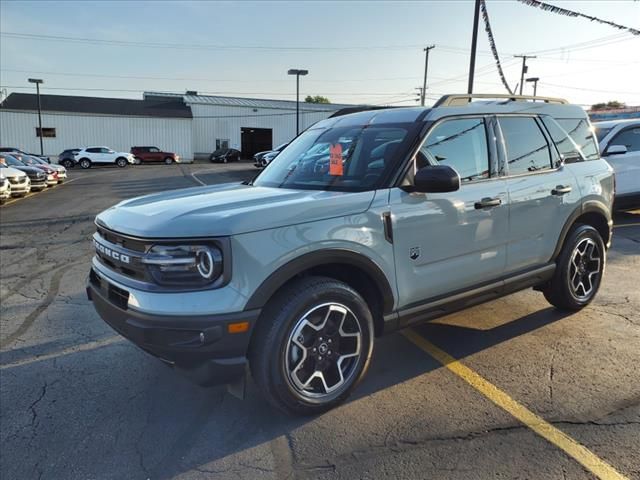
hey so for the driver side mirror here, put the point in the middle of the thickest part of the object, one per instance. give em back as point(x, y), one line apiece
point(436, 179)
point(616, 150)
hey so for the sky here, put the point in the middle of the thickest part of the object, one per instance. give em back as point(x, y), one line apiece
point(356, 52)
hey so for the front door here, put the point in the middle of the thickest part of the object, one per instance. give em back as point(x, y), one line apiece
point(444, 242)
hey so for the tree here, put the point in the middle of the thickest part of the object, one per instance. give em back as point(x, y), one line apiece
point(316, 99)
point(608, 105)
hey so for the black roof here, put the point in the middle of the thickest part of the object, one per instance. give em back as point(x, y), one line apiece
point(149, 107)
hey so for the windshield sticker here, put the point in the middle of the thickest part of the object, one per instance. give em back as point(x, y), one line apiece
point(335, 160)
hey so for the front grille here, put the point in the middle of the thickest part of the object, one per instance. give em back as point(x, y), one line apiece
point(17, 180)
point(121, 240)
point(133, 249)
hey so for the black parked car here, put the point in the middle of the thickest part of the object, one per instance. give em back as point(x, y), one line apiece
point(37, 176)
point(67, 158)
point(21, 152)
point(224, 155)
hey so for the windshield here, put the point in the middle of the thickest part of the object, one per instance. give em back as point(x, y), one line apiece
point(602, 132)
point(349, 158)
point(12, 161)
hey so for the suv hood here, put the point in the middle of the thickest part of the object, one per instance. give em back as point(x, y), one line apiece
point(11, 172)
point(227, 209)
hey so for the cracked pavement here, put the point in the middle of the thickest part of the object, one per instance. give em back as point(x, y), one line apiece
point(78, 402)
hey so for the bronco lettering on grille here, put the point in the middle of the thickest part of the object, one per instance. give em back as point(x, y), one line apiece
point(108, 252)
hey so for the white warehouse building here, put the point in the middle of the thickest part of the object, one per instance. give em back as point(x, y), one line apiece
point(190, 125)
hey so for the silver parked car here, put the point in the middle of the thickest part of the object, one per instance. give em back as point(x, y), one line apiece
point(409, 214)
point(620, 146)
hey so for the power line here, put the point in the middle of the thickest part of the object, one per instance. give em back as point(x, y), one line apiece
point(571, 13)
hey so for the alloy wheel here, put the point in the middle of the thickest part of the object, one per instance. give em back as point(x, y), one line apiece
point(585, 268)
point(323, 350)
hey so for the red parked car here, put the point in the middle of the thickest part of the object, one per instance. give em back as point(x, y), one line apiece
point(153, 154)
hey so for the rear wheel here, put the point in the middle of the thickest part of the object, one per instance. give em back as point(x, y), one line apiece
point(121, 162)
point(312, 346)
point(85, 163)
point(168, 160)
point(579, 270)
point(67, 163)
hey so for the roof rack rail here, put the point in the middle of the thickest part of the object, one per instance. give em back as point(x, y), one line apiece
point(460, 100)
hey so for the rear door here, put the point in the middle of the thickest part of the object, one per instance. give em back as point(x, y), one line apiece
point(542, 191)
point(444, 242)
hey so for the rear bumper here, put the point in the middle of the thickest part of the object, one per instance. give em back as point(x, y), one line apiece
point(200, 347)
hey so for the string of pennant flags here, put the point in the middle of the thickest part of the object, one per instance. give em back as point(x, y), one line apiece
point(570, 13)
point(492, 44)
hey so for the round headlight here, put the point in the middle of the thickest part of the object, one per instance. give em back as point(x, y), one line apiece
point(205, 263)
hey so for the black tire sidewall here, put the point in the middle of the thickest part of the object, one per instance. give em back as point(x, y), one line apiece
point(580, 233)
point(288, 310)
point(85, 163)
point(121, 162)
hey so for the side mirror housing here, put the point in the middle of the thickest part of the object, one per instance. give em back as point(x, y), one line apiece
point(616, 150)
point(436, 179)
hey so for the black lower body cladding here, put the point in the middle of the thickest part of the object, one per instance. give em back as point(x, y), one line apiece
point(200, 347)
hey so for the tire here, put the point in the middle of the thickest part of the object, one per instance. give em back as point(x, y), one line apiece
point(137, 161)
point(85, 163)
point(121, 162)
point(67, 164)
point(579, 270)
point(168, 161)
point(297, 329)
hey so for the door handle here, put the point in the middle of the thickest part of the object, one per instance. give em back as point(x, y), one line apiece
point(561, 189)
point(488, 203)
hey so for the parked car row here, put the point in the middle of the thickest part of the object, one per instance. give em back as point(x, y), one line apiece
point(89, 156)
point(21, 174)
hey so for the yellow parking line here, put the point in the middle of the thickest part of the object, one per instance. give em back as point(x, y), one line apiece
point(560, 439)
point(627, 225)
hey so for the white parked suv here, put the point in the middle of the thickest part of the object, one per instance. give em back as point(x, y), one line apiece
point(5, 187)
point(102, 156)
point(19, 182)
point(619, 142)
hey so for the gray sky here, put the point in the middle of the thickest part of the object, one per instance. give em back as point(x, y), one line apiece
point(356, 52)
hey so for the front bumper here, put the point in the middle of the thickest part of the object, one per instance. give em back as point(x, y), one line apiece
point(38, 184)
point(5, 193)
point(200, 346)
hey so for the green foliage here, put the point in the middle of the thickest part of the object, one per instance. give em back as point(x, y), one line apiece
point(317, 99)
point(608, 105)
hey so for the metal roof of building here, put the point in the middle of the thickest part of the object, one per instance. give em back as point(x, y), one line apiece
point(250, 102)
point(149, 107)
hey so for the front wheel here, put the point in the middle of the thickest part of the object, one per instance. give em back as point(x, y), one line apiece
point(67, 164)
point(312, 345)
point(168, 161)
point(85, 163)
point(121, 162)
point(579, 270)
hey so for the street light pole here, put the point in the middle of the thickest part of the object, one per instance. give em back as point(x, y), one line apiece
point(297, 73)
point(535, 84)
point(38, 81)
point(474, 44)
point(426, 66)
point(525, 69)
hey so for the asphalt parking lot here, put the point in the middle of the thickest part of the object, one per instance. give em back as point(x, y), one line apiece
point(78, 402)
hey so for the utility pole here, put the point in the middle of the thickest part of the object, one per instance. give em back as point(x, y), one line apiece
point(474, 44)
point(426, 67)
point(524, 68)
point(38, 81)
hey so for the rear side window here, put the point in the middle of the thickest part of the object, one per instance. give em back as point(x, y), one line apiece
point(526, 145)
point(566, 146)
point(629, 137)
point(579, 130)
point(93, 150)
point(461, 144)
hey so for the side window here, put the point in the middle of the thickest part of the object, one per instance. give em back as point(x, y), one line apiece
point(527, 148)
point(629, 137)
point(459, 143)
point(104, 150)
point(153, 150)
point(579, 130)
point(566, 146)
point(93, 150)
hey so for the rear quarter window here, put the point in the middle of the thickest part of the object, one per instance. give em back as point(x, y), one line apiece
point(580, 131)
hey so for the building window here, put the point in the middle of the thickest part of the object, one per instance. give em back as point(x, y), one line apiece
point(222, 143)
point(46, 132)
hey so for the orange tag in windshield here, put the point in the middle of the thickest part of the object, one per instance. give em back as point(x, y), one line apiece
point(335, 160)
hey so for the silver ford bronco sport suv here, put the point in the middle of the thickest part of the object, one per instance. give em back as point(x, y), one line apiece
point(366, 223)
